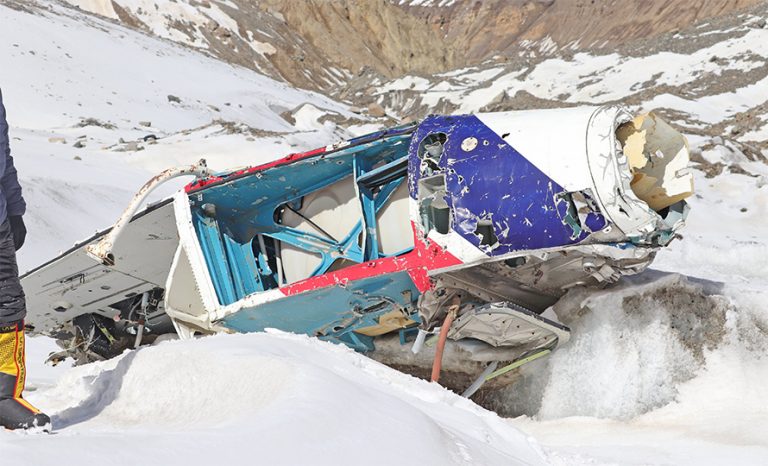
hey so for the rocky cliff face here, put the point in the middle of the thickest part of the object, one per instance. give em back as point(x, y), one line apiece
point(321, 44)
point(701, 64)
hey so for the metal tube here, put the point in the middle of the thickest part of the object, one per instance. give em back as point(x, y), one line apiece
point(142, 319)
point(139, 335)
point(102, 251)
point(279, 261)
point(480, 380)
point(419, 342)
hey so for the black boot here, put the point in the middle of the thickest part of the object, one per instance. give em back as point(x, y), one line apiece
point(15, 411)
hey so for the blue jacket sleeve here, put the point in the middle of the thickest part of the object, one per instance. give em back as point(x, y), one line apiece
point(9, 182)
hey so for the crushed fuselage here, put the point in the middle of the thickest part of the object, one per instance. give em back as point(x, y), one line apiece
point(370, 240)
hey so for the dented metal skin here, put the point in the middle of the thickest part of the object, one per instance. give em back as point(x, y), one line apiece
point(364, 242)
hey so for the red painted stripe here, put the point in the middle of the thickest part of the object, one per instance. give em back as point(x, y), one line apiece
point(16, 362)
point(246, 171)
point(424, 257)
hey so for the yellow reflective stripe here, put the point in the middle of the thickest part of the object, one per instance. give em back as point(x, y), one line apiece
point(13, 362)
point(8, 353)
point(26, 404)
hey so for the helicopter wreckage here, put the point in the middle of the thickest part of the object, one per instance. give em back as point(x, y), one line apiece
point(435, 247)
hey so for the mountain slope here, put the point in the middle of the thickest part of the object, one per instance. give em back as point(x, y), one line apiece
point(82, 94)
point(319, 44)
point(710, 81)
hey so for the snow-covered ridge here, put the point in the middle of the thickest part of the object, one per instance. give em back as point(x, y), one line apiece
point(596, 78)
point(245, 33)
point(710, 82)
point(590, 78)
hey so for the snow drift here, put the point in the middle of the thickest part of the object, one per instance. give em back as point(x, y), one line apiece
point(281, 398)
point(666, 368)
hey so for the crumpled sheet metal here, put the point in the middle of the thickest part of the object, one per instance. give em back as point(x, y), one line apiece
point(658, 157)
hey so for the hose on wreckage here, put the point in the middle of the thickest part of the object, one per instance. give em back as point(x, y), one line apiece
point(453, 310)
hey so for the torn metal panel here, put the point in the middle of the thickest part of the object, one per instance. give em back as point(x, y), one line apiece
point(658, 158)
point(507, 324)
point(490, 184)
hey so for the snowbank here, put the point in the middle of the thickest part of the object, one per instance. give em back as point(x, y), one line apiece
point(666, 369)
point(276, 398)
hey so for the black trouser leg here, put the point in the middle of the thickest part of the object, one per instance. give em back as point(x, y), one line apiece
point(13, 306)
point(15, 411)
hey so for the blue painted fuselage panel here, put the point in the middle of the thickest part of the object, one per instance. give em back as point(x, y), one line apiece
point(332, 313)
point(493, 183)
point(246, 206)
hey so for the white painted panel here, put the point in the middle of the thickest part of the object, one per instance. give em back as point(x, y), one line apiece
point(555, 140)
point(182, 294)
point(77, 284)
point(393, 224)
point(336, 209)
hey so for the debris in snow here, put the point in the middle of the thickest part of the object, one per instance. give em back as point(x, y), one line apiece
point(145, 123)
point(94, 122)
point(173, 99)
point(130, 146)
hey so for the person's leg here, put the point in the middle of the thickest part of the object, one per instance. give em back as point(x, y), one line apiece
point(15, 412)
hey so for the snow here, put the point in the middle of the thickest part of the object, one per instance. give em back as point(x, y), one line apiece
point(307, 118)
point(407, 82)
point(53, 68)
point(99, 7)
point(718, 107)
point(625, 390)
point(591, 78)
point(263, 48)
point(361, 130)
point(279, 398)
